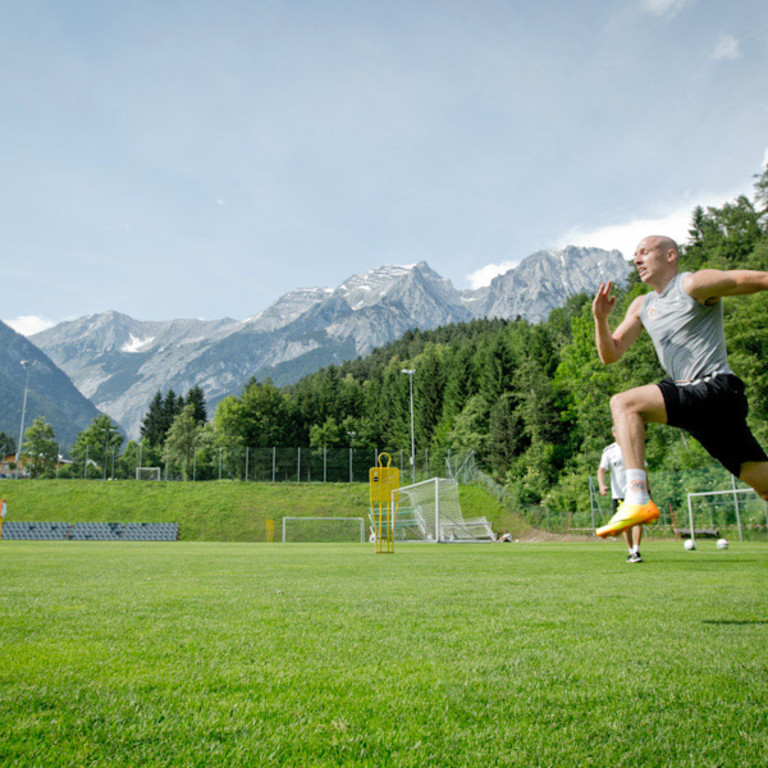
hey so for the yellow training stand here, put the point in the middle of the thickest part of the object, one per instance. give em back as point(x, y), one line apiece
point(383, 481)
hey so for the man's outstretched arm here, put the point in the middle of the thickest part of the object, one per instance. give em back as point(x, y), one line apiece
point(709, 285)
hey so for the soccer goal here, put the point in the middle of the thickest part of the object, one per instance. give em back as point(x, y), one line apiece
point(147, 473)
point(323, 529)
point(431, 511)
point(712, 513)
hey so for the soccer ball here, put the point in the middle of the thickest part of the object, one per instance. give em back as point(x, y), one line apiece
point(722, 543)
point(690, 544)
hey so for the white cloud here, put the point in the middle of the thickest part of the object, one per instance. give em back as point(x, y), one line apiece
point(27, 325)
point(483, 276)
point(668, 8)
point(727, 48)
point(626, 236)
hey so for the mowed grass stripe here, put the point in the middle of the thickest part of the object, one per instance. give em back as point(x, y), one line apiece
point(201, 654)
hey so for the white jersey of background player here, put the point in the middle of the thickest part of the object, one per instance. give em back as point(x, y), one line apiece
point(612, 463)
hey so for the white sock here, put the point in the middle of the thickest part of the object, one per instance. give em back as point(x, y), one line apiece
point(634, 550)
point(637, 487)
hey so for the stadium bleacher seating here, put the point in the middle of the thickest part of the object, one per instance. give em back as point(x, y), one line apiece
point(20, 530)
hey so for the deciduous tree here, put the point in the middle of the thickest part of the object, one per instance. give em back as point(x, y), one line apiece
point(40, 448)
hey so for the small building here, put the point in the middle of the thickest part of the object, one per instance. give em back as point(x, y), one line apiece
point(8, 465)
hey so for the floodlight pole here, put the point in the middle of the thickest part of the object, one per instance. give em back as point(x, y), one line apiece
point(351, 438)
point(28, 365)
point(409, 372)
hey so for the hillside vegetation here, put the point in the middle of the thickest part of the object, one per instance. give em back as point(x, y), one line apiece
point(214, 511)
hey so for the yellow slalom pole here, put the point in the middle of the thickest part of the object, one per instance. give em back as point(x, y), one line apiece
point(383, 481)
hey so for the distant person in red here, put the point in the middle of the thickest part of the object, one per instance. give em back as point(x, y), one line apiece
point(684, 317)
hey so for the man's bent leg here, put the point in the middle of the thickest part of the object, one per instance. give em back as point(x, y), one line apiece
point(631, 411)
point(755, 473)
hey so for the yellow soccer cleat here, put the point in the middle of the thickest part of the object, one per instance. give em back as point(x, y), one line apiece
point(628, 515)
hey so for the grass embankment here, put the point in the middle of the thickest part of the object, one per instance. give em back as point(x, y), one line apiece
point(212, 511)
point(229, 655)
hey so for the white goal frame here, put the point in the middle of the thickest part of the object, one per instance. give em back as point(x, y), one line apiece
point(154, 470)
point(446, 528)
point(731, 492)
point(360, 520)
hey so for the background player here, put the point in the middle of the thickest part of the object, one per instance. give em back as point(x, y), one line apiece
point(612, 464)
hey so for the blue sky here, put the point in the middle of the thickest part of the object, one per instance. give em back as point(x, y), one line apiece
point(172, 158)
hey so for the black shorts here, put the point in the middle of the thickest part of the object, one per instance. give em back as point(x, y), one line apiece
point(714, 411)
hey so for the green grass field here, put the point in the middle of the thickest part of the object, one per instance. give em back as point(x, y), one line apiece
point(240, 654)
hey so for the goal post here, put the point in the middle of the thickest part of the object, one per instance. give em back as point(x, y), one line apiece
point(148, 473)
point(431, 511)
point(323, 529)
point(710, 511)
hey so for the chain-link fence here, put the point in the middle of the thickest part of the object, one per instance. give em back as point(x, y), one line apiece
point(299, 464)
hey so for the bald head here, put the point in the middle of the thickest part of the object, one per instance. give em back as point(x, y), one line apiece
point(656, 259)
point(663, 243)
point(667, 244)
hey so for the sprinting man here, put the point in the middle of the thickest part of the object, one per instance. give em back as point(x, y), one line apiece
point(612, 465)
point(684, 317)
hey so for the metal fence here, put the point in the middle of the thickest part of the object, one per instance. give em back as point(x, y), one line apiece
point(297, 464)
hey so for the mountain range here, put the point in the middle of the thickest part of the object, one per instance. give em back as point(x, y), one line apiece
point(119, 363)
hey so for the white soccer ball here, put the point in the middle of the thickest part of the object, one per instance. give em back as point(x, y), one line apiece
point(689, 544)
point(722, 543)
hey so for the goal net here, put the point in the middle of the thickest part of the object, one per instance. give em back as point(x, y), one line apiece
point(431, 511)
point(323, 529)
point(147, 473)
point(722, 513)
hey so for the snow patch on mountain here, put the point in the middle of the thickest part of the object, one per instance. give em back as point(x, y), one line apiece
point(135, 344)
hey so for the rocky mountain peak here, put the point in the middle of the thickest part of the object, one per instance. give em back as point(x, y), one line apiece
point(287, 308)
